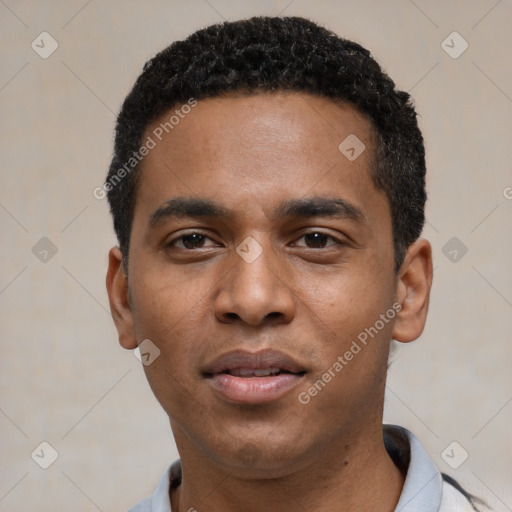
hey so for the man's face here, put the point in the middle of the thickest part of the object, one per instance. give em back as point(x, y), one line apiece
point(281, 250)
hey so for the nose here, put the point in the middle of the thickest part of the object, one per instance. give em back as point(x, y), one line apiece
point(255, 293)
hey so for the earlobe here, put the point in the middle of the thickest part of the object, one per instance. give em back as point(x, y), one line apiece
point(413, 291)
point(120, 307)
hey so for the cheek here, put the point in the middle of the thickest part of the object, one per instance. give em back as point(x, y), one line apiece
point(166, 300)
point(169, 310)
point(352, 349)
point(169, 315)
point(345, 311)
point(348, 301)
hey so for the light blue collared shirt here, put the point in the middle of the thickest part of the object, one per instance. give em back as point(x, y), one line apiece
point(424, 489)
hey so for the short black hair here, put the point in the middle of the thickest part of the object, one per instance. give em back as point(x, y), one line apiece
point(276, 54)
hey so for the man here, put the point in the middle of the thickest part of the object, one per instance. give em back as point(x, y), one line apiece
point(268, 192)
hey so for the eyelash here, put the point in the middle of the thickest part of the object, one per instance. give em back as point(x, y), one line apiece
point(172, 243)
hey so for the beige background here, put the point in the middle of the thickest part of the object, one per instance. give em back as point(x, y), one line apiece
point(65, 380)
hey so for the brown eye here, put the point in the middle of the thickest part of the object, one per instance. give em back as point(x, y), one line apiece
point(191, 241)
point(317, 240)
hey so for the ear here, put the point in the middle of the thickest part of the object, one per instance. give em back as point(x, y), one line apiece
point(413, 291)
point(118, 296)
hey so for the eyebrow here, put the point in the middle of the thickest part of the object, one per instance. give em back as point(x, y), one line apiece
point(320, 207)
point(182, 207)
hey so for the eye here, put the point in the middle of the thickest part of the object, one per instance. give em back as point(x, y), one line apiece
point(191, 241)
point(317, 240)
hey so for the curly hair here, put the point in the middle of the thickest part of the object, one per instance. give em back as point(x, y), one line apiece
point(277, 54)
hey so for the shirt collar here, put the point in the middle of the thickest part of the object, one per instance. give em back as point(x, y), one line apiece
point(423, 486)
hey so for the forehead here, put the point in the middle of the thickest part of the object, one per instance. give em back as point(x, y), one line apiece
point(263, 148)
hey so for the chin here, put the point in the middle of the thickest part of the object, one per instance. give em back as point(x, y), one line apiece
point(260, 456)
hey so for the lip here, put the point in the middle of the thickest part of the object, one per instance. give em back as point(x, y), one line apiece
point(253, 389)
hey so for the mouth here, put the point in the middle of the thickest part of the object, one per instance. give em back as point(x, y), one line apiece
point(253, 378)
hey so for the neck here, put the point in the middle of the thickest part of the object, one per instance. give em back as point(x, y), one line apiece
point(355, 474)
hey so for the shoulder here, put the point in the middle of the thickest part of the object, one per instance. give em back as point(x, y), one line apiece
point(425, 489)
point(455, 499)
point(159, 501)
point(142, 506)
